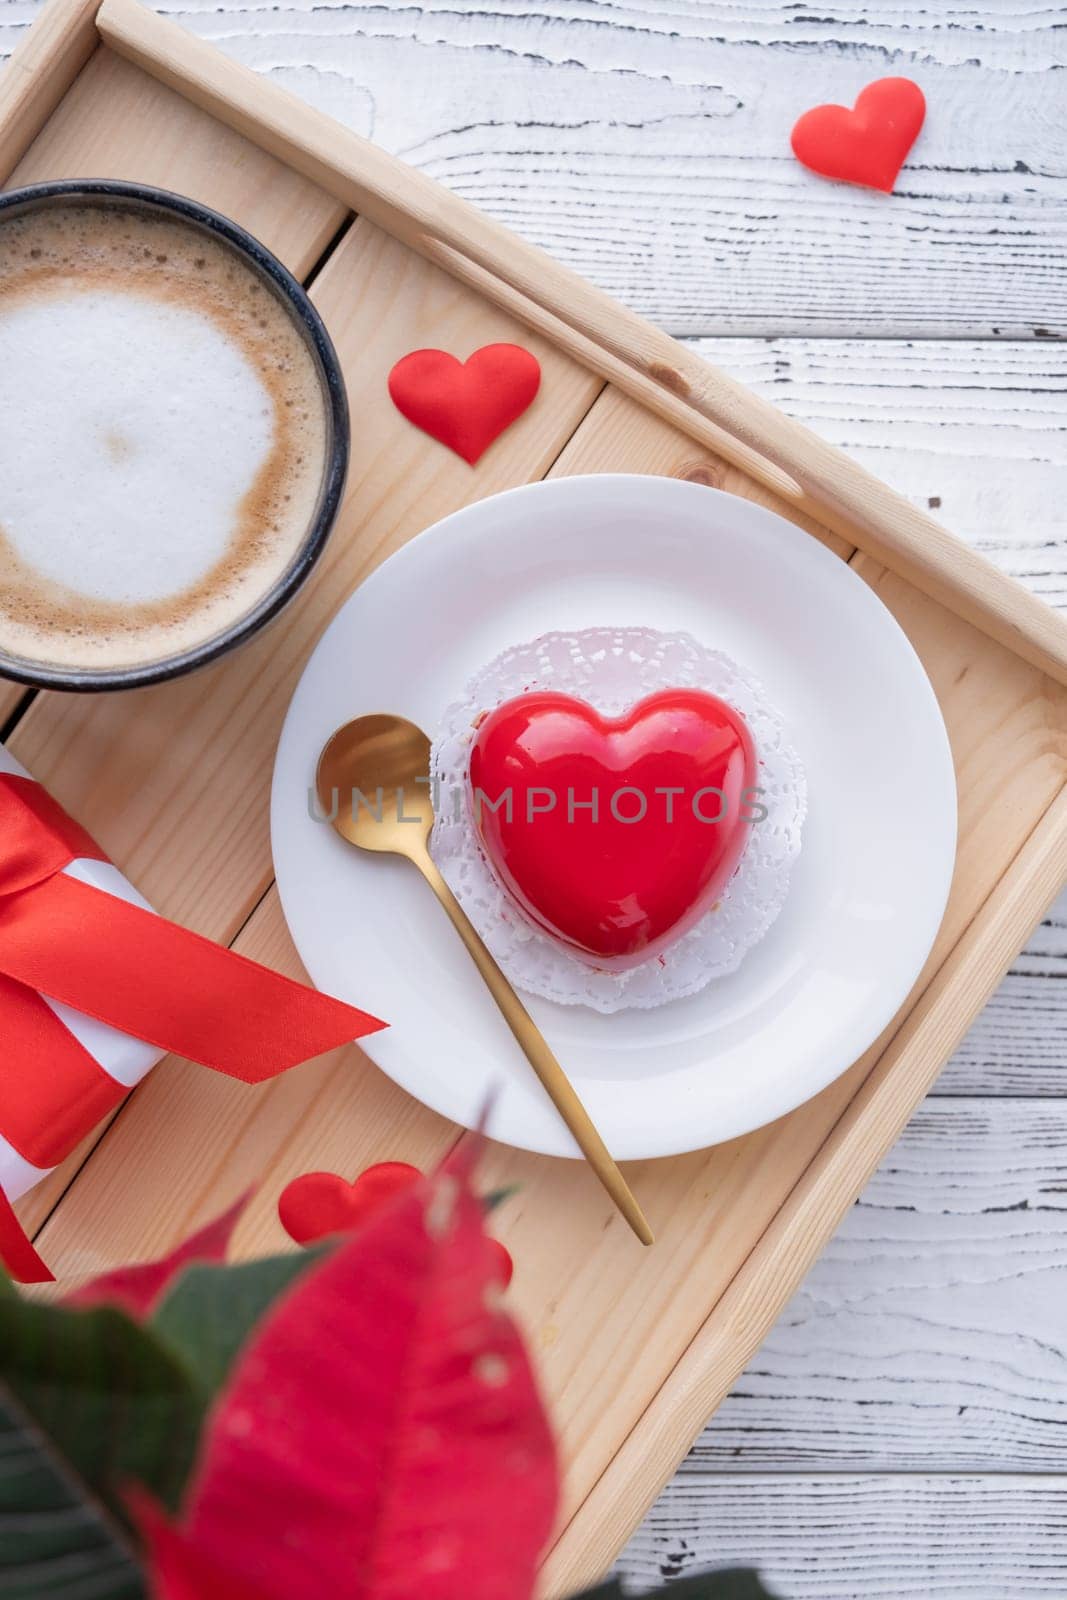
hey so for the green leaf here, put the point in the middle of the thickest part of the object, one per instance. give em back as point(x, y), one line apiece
point(211, 1310)
point(110, 1398)
point(116, 1401)
point(91, 1401)
point(729, 1583)
point(55, 1540)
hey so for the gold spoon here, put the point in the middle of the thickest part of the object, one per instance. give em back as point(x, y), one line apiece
point(373, 785)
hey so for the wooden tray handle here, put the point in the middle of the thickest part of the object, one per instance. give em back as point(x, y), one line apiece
point(604, 336)
point(42, 67)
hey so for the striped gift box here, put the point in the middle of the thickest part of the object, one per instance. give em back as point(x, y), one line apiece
point(123, 1058)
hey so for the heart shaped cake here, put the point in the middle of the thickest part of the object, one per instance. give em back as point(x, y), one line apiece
point(614, 834)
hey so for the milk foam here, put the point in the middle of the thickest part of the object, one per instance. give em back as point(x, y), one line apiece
point(124, 477)
point(162, 437)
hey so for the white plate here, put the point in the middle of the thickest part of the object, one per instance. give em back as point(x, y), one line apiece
point(867, 894)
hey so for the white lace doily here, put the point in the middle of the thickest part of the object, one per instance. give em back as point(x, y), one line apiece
point(612, 668)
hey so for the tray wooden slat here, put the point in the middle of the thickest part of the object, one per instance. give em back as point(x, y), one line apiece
point(636, 1347)
point(11, 696)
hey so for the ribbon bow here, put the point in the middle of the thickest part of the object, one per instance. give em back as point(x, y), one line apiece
point(131, 969)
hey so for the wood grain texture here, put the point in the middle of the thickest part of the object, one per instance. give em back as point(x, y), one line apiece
point(1018, 1046)
point(11, 697)
point(157, 137)
point(931, 1335)
point(879, 1538)
point(43, 66)
point(646, 143)
point(973, 432)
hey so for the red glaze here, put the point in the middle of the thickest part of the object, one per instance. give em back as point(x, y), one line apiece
point(615, 890)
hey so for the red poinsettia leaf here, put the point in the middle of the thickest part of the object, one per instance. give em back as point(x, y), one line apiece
point(137, 1289)
point(503, 1264)
point(179, 1571)
point(382, 1435)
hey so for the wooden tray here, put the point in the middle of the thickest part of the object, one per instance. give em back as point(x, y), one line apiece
point(637, 1348)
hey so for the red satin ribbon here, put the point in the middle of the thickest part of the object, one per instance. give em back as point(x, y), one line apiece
point(127, 967)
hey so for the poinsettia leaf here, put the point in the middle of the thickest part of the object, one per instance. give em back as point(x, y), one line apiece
point(137, 1289)
point(729, 1583)
point(179, 1570)
point(386, 1418)
point(210, 1311)
point(112, 1400)
point(54, 1538)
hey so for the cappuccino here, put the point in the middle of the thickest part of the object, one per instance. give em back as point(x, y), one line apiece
point(163, 436)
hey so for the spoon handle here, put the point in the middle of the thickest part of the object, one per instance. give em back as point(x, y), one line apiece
point(558, 1085)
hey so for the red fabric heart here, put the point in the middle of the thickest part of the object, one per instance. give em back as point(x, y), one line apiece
point(465, 404)
point(319, 1204)
point(868, 144)
point(671, 781)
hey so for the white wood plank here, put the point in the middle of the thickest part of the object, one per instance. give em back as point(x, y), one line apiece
point(975, 432)
point(647, 143)
point(1018, 1046)
point(864, 1538)
point(932, 1334)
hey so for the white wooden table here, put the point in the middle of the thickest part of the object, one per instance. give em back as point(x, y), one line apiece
point(903, 1433)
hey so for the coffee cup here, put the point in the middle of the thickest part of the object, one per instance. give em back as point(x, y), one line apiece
point(173, 435)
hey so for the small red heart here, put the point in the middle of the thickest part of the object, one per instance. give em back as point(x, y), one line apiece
point(318, 1204)
point(868, 144)
point(465, 404)
point(620, 882)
